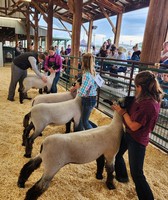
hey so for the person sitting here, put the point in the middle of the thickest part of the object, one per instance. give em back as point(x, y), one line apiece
point(164, 84)
point(111, 53)
point(164, 53)
point(121, 56)
point(136, 54)
point(103, 51)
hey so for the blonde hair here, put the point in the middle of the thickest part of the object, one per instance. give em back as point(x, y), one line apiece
point(88, 63)
point(150, 86)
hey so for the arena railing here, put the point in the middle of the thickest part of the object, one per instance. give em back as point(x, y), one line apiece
point(122, 84)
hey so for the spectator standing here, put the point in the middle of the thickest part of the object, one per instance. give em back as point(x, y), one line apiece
point(19, 71)
point(62, 52)
point(57, 51)
point(68, 50)
point(18, 49)
point(53, 62)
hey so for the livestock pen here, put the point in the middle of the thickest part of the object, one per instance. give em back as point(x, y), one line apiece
point(73, 182)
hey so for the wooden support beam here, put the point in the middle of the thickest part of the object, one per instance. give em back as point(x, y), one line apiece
point(90, 36)
point(155, 31)
point(107, 17)
point(28, 29)
point(76, 30)
point(110, 6)
point(118, 29)
point(40, 10)
point(36, 30)
point(50, 24)
point(85, 29)
point(65, 28)
point(56, 15)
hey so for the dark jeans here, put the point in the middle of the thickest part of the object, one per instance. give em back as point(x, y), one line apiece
point(136, 154)
point(88, 103)
point(55, 81)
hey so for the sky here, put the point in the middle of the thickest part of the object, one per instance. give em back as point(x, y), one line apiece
point(132, 28)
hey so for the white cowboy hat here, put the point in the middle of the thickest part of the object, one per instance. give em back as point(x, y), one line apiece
point(121, 49)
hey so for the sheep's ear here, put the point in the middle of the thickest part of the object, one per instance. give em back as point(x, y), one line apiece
point(125, 101)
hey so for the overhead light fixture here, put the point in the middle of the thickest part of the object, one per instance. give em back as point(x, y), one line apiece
point(26, 0)
point(10, 18)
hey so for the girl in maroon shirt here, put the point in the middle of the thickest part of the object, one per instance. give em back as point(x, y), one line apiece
point(139, 119)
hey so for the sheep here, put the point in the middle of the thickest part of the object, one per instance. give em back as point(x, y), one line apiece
point(57, 150)
point(52, 98)
point(54, 113)
point(48, 98)
point(33, 81)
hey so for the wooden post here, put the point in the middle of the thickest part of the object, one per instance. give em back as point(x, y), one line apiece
point(118, 29)
point(50, 24)
point(76, 30)
point(28, 29)
point(90, 36)
point(36, 31)
point(155, 31)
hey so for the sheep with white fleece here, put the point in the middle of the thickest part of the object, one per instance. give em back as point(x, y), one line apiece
point(44, 114)
point(33, 81)
point(79, 147)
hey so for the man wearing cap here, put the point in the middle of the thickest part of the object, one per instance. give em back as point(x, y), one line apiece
point(19, 71)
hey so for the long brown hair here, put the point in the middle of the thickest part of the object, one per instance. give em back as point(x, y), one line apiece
point(150, 86)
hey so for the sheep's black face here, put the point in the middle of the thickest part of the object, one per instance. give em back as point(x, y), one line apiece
point(124, 102)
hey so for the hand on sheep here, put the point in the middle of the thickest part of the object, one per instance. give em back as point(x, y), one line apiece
point(117, 108)
point(44, 78)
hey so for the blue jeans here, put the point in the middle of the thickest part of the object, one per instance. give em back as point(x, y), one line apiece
point(88, 103)
point(55, 81)
point(136, 154)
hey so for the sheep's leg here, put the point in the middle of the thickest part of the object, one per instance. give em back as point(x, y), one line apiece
point(68, 127)
point(27, 170)
point(21, 96)
point(26, 133)
point(38, 188)
point(100, 167)
point(110, 176)
point(30, 141)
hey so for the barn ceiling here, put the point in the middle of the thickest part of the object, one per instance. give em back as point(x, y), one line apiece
point(92, 9)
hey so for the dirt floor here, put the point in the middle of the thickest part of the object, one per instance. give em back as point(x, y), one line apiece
point(73, 182)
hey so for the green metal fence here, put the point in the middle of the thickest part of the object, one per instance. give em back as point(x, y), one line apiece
point(121, 85)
